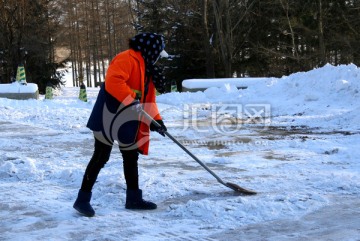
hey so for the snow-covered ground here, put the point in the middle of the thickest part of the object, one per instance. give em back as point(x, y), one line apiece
point(294, 139)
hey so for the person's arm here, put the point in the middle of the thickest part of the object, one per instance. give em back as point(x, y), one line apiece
point(117, 76)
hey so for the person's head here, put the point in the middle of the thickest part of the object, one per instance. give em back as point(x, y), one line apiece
point(151, 46)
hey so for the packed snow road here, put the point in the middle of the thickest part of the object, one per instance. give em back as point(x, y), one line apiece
point(337, 221)
point(303, 194)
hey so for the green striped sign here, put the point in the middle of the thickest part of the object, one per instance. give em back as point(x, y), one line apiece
point(20, 74)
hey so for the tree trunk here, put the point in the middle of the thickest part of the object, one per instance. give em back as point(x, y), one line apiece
point(322, 49)
point(210, 71)
point(294, 52)
point(223, 23)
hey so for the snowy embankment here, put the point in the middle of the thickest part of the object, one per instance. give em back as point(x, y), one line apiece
point(16, 87)
point(326, 95)
point(294, 140)
point(19, 91)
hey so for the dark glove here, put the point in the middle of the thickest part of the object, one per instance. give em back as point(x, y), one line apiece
point(161, 128)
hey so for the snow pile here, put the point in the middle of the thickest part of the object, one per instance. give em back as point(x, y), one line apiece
point(16, 87)
point(331, 91)
point(60, 114)
point(205, 83)
point(319, 89)
point(23, 169)
point(328, 86)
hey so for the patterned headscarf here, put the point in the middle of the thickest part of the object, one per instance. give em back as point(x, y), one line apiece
point(150, 45)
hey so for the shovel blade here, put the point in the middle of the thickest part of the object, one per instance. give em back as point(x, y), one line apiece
point(239, 189)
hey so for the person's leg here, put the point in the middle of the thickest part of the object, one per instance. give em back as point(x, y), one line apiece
point(134, 198)
point(100, 157)
point(130, 164)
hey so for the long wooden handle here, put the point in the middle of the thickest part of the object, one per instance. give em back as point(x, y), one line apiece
point(184, 148)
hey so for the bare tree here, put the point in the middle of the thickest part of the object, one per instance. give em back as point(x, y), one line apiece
point(223, 26)
point(322, 50)
point(294, 49)
point(27, 36)
point(96, 30)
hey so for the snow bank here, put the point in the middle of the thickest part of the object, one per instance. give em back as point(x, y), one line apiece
point(16, 87)
point(191, 84)
point(330, 91)
point(16, 90)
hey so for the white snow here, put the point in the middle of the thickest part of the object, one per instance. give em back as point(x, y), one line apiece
point(206, 83)
point(293, 139)
point(16, 87)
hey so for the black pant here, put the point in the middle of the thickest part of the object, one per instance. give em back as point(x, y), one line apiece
point(100, 158)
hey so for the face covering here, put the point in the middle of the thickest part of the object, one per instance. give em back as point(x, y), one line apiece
point(151, 46)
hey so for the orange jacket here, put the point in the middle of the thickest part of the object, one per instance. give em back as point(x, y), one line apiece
point(124, 78)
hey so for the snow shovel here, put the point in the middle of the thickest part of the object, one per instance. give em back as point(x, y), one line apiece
point(233, 186)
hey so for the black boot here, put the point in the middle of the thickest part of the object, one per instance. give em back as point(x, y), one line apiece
point(82, 204)
point(134, 201)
